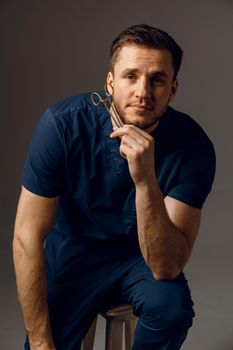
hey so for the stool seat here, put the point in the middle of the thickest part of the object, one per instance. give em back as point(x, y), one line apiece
point(116, 317)
point(118, 311)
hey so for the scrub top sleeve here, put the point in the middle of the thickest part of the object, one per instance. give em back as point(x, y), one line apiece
point(44, 166)
point(194, 181)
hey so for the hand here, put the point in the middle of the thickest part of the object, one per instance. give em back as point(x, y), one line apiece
point(137, 147)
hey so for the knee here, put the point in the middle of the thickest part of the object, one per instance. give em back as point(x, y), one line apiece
point(168, 309)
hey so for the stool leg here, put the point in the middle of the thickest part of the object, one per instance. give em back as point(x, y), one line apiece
point(114, 332)
point(88, 341)
point(129, 333)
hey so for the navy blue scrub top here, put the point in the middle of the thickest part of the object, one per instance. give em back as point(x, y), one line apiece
point(72, 156)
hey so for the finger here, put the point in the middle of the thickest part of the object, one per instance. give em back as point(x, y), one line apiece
point(125, 151)
point(142, 132)
point(132, 143)
point(136, 139)
point(132, 131)
point(118, 132)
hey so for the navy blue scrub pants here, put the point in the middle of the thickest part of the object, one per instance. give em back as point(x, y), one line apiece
point(112, 274)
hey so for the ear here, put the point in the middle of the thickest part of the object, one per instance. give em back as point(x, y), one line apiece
point(110, 79)
point(174, 89)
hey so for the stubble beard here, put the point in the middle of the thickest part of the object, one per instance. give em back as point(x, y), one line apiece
point(140, 124)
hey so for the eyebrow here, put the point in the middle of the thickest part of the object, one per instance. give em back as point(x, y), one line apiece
point(160, 73)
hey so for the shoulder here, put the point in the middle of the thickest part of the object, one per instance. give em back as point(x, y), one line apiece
point(73, 104)
point(193, 163)
point(196, 148)
point(186, 131)
point(187, 143)
point(73, 113)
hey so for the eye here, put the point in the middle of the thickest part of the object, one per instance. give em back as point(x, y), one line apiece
point(130, 77)
point(157, 80)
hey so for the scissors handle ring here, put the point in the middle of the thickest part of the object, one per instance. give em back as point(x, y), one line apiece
point(93, 99)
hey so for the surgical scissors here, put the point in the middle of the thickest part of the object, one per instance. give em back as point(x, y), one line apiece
point(97, 99)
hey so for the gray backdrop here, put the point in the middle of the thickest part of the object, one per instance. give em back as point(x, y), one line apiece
point(53, 49)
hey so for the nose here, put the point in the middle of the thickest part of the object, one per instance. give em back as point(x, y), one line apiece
point(143, 89)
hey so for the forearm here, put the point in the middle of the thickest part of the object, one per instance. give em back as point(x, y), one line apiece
point(164, 247)
point(32, 293)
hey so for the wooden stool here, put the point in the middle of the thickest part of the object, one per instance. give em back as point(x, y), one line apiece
point(115, 317)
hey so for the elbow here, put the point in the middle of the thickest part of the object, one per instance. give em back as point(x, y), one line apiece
point(18, 252)
point(166, 274)
point(19, 248)
point(24, 245)
point(17, 244)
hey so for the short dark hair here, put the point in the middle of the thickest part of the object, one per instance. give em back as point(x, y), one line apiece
point(148, 36)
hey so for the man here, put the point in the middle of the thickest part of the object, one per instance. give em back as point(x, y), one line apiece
point(114, 200)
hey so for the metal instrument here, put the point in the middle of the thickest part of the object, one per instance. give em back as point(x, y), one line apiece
point(108, 104)
point(97, 99)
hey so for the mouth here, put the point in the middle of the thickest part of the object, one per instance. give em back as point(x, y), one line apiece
point(141, 108)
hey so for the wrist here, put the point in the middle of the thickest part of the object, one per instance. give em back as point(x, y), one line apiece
point(147, 183)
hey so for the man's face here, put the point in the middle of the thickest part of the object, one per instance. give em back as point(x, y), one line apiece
point(143, 84)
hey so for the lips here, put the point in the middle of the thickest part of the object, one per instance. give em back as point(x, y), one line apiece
point(141, 107)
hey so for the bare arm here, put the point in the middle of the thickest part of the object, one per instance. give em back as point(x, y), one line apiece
point(34, 218)
point(166, 230)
